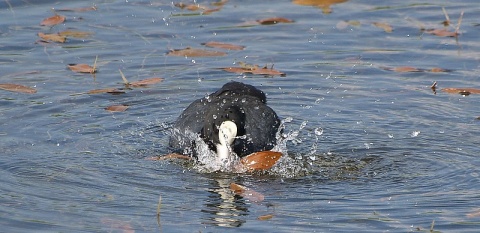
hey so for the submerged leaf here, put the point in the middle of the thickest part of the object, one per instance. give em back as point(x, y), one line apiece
point(17, 88)
point(247, 193)
point(442, 32)
point(265, 217)
point(52, 37)
point(221, 45)
point(192, 52)
point(117, 108)
point(253, 70)
point(107, 90)
point(145, 82)
point(261, 160)
point(54, 20)
point(75, 34)
point(82, 68)
point(274, 20)
point(385, 26)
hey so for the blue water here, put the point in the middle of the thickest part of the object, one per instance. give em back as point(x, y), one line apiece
point(393, 156)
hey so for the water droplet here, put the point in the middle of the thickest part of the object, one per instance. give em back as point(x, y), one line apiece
point(318, 131)
point(214, 117)
point(390, 135)
point(415, 133)
point(244, 100)
point(303, 125)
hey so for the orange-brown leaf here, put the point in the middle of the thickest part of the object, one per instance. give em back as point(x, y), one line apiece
point(261, 160)
point(17, 88)
point(52, 37)
point(117, 108)
point(107, 90)
point(274, 20)
point(385, 26)
point(442, 32)
point(145, 82)
point(221, 45)
point(82, 68)
point(192, 52)
point(265, 217)
point(76, 34)
point(247, 193)
point(253, 70)
point(54, 20)
point(438, 70)
point(322, 4)
point(461, 91)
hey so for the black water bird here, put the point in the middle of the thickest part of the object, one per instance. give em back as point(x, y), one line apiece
point(234, 119)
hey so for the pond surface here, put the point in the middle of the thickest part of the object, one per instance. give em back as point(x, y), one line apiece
point(370, 148)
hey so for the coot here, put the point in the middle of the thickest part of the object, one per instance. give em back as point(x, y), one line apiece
point(234, 119)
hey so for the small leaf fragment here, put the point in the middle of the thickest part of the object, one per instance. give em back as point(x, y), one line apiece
point(221, 45)
point(385, 26)
point(265, 217)
point(82, 68)
point(54, 20)
point(192, 52)
point(274, 20)
point(17, 88)
point(117, 108)
point(52, 37)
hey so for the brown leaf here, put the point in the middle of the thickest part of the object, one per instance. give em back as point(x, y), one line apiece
point(117, 108)
point(247, 193)
point(402, 69)
point(385, 26)
point(145, 82)
point(442, 32)
point(261, 160)
point(274, 20)
point(322, 4)
point(192, 52)
point(52, 37)
point(439, 70)
point(54, 20)
point(107, 90)
point(75, 34)
point(82, 68)
point(265, 217)
point(171, 156)
point(253, 69)
point(221, 45)
point(461, 91)
point(190, 7)
point(17, 88)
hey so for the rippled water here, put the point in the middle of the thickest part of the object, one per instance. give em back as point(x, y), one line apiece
point(370, 149)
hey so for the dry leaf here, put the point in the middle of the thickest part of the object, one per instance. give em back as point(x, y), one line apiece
point(80, 9)
point(461, 91)
point(265, 217)
point(253, 70)
point(323, 4)
point(439, 70)
point(385, 26)
point(82, 68)
point(442, 32)
point(191, 52)
point(54, 20)
point(261, 160)
point(145, 82)
point(117, 108)
point(221, 45)
point(52, 37)
point(107, 90)
point(247, 193)
point(17, 88)
point(75, 34)
point(274, 20)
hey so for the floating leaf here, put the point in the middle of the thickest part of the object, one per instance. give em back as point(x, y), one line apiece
point(107, 90)
point(261, 160)
point(82, 68)
point(190, 7)
point(17, 88)
point(221, 45)
point(402, 69)
point(171, 156)
point(192, 52)
point(322, 4)
point(117, 108)
point(247, 193)
point(145, 82)
point(385, 26)
point(253, 69)
point(52, 37)
point(265, 217)
point(54, 20)
point(439, 70)
point(80, 9)
point(274, 20)
point(461, 91)
point(75, 34)
point(442, 32)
